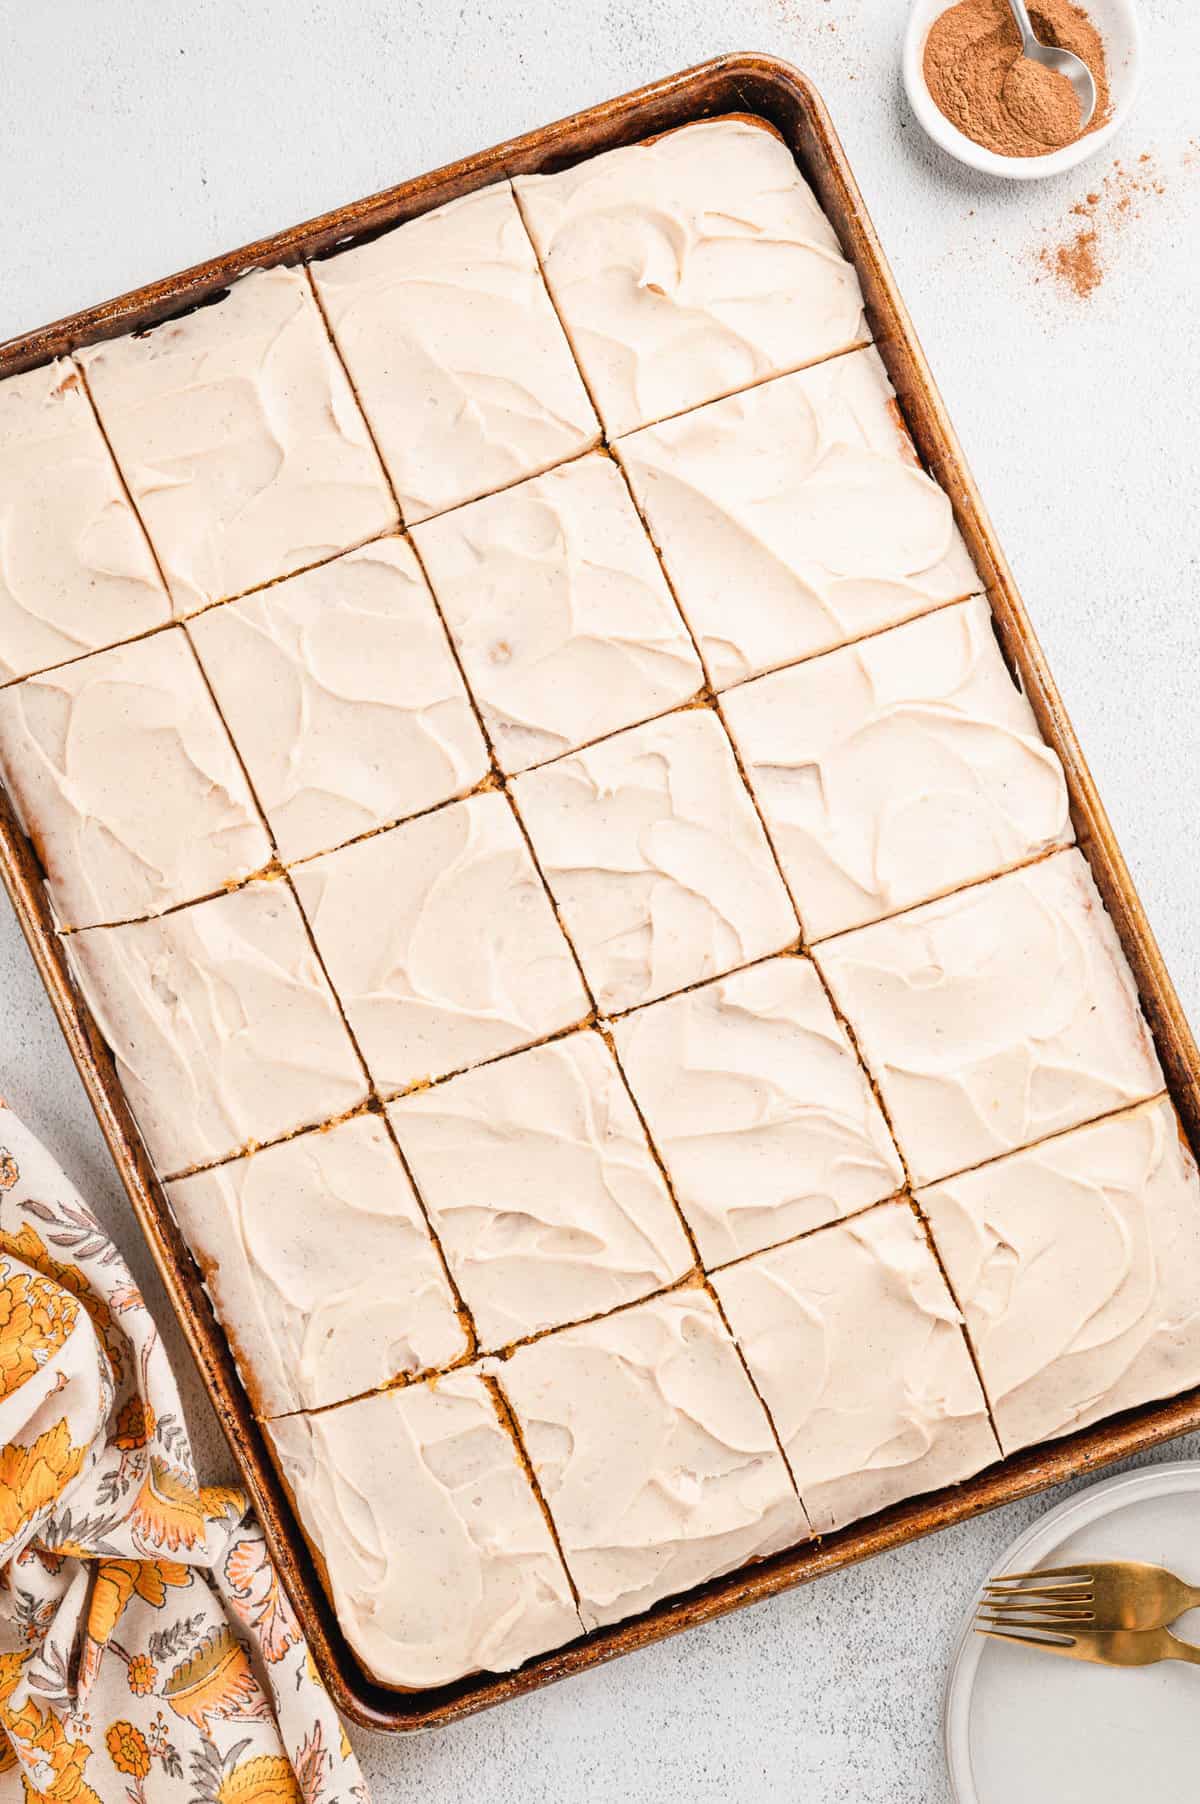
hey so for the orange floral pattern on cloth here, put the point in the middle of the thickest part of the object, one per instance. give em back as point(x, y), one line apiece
point(147, 1650)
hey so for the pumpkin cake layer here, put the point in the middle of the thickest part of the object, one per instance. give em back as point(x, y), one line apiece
point(758, 1107)
point(541, 1188)
point(441, 943)
point(560, 611)
point(124, 777)
point(221, 1023)
point(656, 859)
point(344, 698)
point(240, 439)
point(76, 572)
point(898, 768)
point(796, 516)
point(1077, 1264)
point(689, 266)
point(653, 1453)
point(455, 353)
point(856, 1347)
point(996, 1016)
point(320, 1266)
point(432, 1541)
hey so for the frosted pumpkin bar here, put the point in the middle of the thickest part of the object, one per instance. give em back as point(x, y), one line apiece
point(240, 439)
point(221, 1023)
point(1077, 1264)
point(656, 859)
point(996, 1016)
point(432, 1541)
point(689, 266)
point(76, 573)
point(898, 768)
point(342, 693)
point(857, 1349)
point(795, 516)
point(654, 1455)
point(560, 611)
point(320, 1266)
point(541, 1188)
point(758, 1107)
point(124, 777)
point(455, 353)
point(440, 942)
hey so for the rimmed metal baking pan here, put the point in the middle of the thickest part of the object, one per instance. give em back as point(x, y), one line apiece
point(770, 90)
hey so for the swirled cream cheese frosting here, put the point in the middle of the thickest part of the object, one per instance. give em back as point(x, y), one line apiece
point(689, 266)
point(758, 1107)
point(1077, 1264)
point(996, 1016)
point(344, 698)
point(221, 1022)
point(441, 943)
point(124, 777)
point(321, 1267)
point(240, 439)
point(541, 1188)
point(795, 516)
point(456, 354)
point(654, 1455)
point(432, 1540)
point(560, 611)
point(857, 1349)
point(898, 768)
point(656, 859)
point(75, 569)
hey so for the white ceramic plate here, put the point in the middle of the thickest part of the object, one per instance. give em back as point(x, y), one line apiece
point(1118, 24)
point(1029, 1727)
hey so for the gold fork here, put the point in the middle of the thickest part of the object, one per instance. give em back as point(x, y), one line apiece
point(1104, 1647)
point(1108, 1594)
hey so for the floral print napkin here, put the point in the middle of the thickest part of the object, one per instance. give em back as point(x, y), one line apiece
point(147, 1651)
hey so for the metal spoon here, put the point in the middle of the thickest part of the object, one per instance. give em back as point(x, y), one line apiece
point(1063, 62)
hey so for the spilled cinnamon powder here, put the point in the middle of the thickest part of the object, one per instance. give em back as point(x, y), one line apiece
point(977, 76)
point(1077, 262)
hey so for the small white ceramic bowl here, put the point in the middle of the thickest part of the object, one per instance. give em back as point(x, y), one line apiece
point(1117, 22)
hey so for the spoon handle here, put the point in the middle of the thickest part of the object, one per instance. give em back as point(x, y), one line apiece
point(1020, 13)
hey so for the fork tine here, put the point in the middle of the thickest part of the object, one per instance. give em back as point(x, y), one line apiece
point(1053, 1625)
point(1047, 1612)
point(1043, 1593)
point(1065, 1646)
point(1045, 1572)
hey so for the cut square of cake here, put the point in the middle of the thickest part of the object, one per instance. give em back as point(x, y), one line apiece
point(341, 691)
point(77, 573)
point(541, 1188)
point(321, 1267)
point(455, 353)
point(123, 775)
point(1077, 1264)
point(560, 611)
point(795, 516)
point(690, 265)
point(856, 1347)
point(655, 1456)
point(240, 439)
point(656, 859)
point(441, 943)
point(221, 1023)
point(996, 1016)
point(898, 768)
point(465, 1575)
point(758, 1106)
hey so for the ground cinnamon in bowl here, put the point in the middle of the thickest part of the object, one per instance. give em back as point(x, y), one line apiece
point(978, 78)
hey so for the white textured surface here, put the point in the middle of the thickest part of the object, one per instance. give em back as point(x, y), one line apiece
point(1076, 420)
